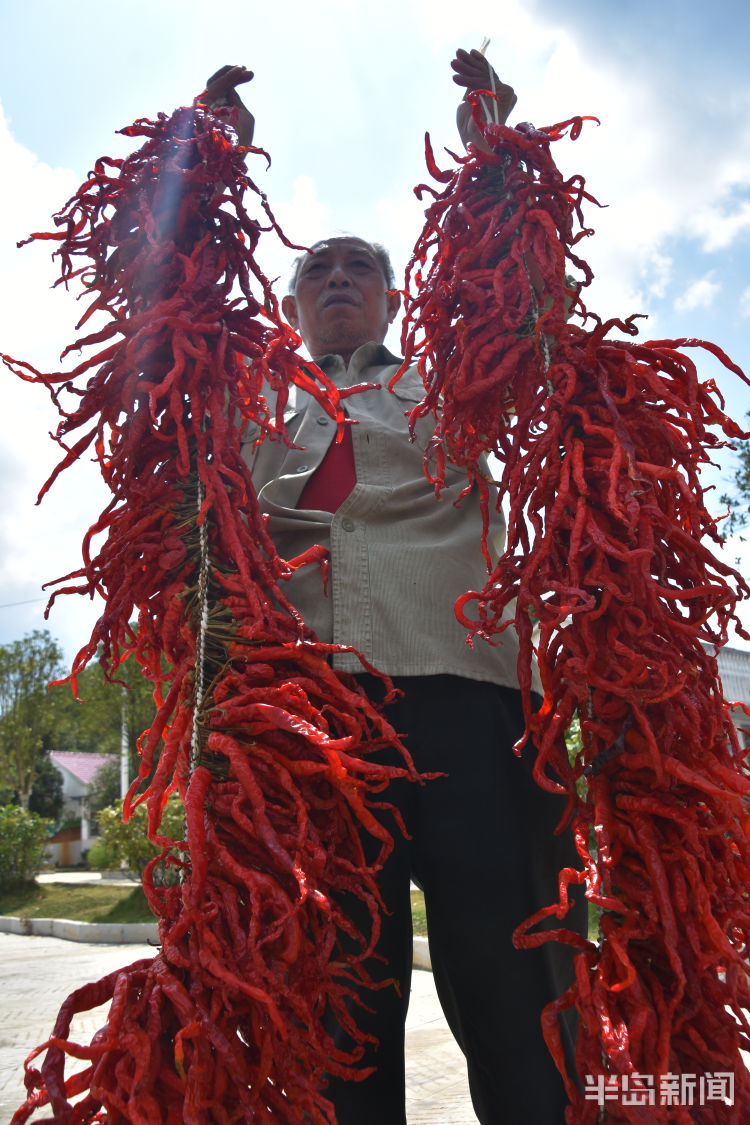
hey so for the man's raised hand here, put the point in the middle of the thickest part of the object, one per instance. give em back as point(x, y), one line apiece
point(221, 91)
point(472, 70)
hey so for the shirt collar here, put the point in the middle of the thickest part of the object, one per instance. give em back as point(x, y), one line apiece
point(368, 355)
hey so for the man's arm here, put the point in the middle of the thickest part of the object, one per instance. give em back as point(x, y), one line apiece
point(473, 71)
point(220, 91)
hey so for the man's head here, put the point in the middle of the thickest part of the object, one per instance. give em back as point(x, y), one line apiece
point(342, 296)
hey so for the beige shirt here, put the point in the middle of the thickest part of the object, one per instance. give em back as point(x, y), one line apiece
point(399, 556)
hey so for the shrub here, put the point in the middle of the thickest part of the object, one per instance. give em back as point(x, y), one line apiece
point(105, 788)
point(23, 837)
point(101, 856)
point(130, 843)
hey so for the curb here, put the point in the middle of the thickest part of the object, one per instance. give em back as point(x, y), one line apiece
point(102, 933)
point(421, 956)
point(124, 933)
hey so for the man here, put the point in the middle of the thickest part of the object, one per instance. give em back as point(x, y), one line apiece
point(481, 837)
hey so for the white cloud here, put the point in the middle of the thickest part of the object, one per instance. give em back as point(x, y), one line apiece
point(664, 175)
point(36, 322)
point(719, 227)
point(516, 35)
point(744, 302)
point(303, 218)
point(657, 273)
point(30, 192)
point(698, 295)
point(399, 222)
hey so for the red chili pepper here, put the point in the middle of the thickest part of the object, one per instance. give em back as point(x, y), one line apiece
point(269, 747)
point(600, 443)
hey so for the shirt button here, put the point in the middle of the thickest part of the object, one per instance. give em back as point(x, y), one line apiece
point(347, 524)
point(301, 468)
point(322, 420)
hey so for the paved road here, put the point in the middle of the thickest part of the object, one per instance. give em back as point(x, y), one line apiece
point(37, 973)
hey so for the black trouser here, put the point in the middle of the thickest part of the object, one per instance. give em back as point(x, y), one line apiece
point(483, 849)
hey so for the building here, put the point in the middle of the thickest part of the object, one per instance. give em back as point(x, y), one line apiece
point(734, 670)
point(78, 773)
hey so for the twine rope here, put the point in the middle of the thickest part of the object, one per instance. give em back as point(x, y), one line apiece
point(200, 651)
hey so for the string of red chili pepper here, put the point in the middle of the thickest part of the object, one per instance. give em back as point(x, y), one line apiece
point(269, 747)
point(600, 441)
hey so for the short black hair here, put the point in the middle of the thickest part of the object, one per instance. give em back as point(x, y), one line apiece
point(380, 252)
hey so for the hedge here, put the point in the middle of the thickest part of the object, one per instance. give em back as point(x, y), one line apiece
point(23, 838)
point(130, 844)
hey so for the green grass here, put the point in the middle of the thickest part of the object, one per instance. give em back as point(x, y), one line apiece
point(78, 903)
point(111, 904)
point(418, 917)
point(128, 904)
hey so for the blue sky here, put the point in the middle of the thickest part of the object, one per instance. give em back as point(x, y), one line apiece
point(343, 94)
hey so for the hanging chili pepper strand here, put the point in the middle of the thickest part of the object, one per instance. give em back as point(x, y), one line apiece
point(268, 746)
point(601, 443)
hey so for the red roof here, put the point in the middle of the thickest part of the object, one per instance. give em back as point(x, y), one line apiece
point(83, 766)
point(65, 834)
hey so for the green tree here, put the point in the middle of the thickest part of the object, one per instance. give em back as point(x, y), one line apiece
point(92, 723)
point(46, 798)
point(105, 789)
point(27, 709)
point(738, 501)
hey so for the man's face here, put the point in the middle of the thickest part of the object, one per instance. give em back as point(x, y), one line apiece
point(340, 299)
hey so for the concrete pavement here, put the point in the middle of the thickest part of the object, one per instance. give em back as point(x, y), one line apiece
point(37, 973)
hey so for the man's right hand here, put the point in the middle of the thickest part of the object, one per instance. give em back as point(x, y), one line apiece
point(220, 91)
point(473, 71)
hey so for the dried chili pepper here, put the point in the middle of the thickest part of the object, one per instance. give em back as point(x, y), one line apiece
point(618, 597)
point(268, 746)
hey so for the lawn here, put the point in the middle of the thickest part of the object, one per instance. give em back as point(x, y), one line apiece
point(418, 917)
point(78, 903)
point(111, 904)
point(128, 904)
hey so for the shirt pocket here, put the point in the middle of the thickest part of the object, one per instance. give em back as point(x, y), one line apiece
point(292, 415)
point(409, 387)
point(410, 390)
